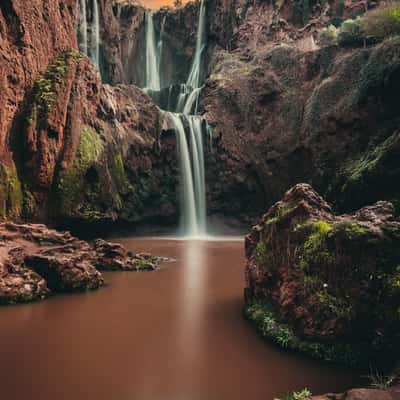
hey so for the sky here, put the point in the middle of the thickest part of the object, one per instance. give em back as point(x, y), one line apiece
point(158, 3)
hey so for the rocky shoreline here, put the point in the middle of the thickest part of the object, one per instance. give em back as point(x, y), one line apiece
point(36, 262)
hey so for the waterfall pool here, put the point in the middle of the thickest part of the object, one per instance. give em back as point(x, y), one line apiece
point(173, 334)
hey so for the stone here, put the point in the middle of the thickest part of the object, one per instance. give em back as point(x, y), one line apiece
point(328, 278)
point(36, 261)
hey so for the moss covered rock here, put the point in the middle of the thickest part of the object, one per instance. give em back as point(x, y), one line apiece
point(10, 192)
point(331, 284)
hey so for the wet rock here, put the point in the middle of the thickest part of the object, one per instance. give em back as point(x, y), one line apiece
point(363, 394)
point(114, 257)
point(36, 261)
point(329, 281)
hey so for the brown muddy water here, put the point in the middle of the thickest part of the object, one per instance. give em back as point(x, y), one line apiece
point(174, 334)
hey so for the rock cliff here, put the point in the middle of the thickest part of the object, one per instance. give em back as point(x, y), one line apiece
point(282, 111)
point(72, 148)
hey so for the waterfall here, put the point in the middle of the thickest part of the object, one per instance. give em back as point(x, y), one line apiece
point(83, 27)
point(152, 62)
point(189, 128)
point(96, 35)
point(90, 48)
point(189, 132)
point(194, 76)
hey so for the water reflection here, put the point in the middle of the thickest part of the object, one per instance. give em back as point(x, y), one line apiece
point(174, 334)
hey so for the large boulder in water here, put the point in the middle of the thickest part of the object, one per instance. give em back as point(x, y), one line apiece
point(325, 284)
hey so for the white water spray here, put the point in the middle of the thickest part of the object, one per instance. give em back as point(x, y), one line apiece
point(194, 76)
point(152, 62)
point(83, 27)
point(90, 48)
point(96, 35)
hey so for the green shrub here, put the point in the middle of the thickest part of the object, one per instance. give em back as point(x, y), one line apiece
point(382, 22)
point(351, 33)
point(302, 395)
point(328, 36)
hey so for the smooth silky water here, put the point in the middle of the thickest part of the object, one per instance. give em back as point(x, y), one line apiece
point(173, 334)
point(89, 31)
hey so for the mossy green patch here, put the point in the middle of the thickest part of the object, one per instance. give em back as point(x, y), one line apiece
point(335, 306)
point(267, 323)
point(351, 230)
point(71, 183)
point(357, 170)
point(10, 193)
point(47, 85)
point(117, 170)
point(261, 252)
point(315, 250)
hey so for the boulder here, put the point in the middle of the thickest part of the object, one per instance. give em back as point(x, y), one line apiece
point(323, 283)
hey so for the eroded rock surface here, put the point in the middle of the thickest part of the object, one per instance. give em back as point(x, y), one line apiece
point(363, 394)
point(36, 261)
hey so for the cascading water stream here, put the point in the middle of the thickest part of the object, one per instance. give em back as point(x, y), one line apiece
point(188, 127)
point(194, 76)
point(152, 59)
point(90, 30)
point(96, 35)
point(189, 96)
point(83, 26)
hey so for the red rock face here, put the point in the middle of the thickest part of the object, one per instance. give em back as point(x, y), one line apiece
point(71, 148)
point(32, 34)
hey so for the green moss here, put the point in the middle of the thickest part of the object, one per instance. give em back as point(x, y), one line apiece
point(261, 252)
point(368, 163)
point(46, 86)
point(266, 322)
point(315, 249)
point(350, 33)
point(351, 230)
point(301, 395)
point(334, 305)
point(382, 22)
point(10, 193)
point(393, 282)
point(71, 183)
point(117, 170)
point(281, 211)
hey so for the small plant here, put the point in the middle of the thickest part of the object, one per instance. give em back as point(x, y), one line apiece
point(261, 252)
point(302, 395)
point(328, 36)
point(382, 22)
point(351, 33)
point(380, 381)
